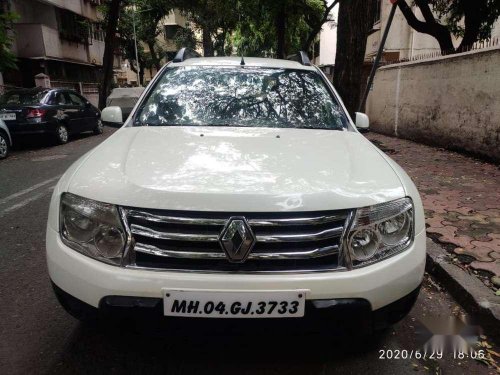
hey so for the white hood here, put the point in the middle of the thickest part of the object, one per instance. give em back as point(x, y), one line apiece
point(236, 170)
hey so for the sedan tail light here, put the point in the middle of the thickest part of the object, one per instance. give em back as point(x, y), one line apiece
point(35, 113)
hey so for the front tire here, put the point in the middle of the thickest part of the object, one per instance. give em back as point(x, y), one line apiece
point(62, 134)
point(4, 145)
point(99, 127)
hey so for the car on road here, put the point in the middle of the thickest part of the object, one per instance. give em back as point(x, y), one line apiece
point(5, 140)
point(238, 188)
point(58, 113)
point(125, 98)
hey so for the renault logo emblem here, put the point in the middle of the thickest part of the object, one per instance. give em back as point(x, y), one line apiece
point(237, 239)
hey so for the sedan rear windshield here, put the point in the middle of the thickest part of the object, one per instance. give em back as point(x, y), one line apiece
point(23, 98)
point(242, 96)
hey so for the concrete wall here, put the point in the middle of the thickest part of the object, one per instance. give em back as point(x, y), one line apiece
point(452, 102)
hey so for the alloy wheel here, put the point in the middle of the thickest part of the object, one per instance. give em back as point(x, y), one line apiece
point(99, 128)
point(62, 134)
point(4, 148)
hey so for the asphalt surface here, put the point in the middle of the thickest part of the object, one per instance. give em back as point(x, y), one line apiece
point(38, 337)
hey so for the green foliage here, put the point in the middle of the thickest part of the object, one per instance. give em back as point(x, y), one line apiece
point(256, 32)
point(7, 58)
point(185, 37)
point(226, 26)
point(486, 12)
point(216, 19)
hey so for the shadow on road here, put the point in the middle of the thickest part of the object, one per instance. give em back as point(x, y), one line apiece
point(38, 142)
point(139, 350)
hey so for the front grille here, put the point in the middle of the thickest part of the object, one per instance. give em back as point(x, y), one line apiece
point(182, 240)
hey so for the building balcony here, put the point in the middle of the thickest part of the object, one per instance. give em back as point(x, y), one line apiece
point(40, 41)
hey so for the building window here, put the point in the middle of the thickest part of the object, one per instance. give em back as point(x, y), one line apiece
point(97, 32)
point(73, 27)
point(377, 5)
point(171, 31)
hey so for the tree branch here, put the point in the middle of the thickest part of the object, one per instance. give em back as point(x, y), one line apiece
point(430, 27)
point(426, 11)
point(315, 30)
point(413, 21)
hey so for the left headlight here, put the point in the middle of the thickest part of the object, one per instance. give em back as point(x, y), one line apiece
point(92, 228)
point(380, 231)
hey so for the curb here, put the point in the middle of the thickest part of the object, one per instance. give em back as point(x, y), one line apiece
point(477, 299)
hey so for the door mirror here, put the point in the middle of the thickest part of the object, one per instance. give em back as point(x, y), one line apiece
point(362, 122)
point(88, 105)
point(112, 115)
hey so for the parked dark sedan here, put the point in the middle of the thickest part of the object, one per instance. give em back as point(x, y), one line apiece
point(56, 112)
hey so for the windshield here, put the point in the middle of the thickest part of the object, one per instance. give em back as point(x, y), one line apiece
point(242, 96)
point(23, 98)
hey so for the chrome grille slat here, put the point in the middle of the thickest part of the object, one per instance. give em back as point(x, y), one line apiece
point(295, 221)
point(325, 234)
point(174, 219)
point(148, 232)
point(261, 222)
point(153, 250)
point(182, 240)
point(176, 236)
point(150, 249)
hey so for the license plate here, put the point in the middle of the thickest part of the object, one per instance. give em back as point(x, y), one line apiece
point(7, 116)
point(214, 304)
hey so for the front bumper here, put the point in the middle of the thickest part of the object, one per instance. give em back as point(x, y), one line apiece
point(90, 281)
point(340, 316)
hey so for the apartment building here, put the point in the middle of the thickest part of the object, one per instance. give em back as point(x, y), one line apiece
point(60, 38)
point(170, 25)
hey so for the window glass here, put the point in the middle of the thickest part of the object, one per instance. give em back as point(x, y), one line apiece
point(23, 97)
point(241, 96)
point(75, 99)
point(59, 98)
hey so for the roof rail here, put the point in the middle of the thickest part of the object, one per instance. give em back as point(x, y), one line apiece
point(184, 54)
point(300, 57)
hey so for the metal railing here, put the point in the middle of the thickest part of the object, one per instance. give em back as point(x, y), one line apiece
point(478, 46)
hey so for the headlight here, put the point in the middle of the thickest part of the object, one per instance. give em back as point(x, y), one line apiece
point(380, 231)
point(92, 228)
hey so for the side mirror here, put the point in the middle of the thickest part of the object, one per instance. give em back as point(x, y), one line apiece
point(88, 105)
point(362, 122)
point(112, 115)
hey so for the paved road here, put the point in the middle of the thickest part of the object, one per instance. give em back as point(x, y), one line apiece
point(37, 336)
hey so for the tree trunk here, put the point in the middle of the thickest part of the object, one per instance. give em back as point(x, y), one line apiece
point(208, 45)
point(280, 23)
point(141, 75)
point(355, 21)
point(472, 22)
point(154, 55)
point(109, 51)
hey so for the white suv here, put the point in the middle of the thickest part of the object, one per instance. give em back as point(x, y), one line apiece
point(238, 188)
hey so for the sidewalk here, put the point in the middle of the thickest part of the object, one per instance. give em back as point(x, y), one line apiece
point(461, 197)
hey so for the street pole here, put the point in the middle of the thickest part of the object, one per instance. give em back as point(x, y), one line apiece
point(379, 55)
point(135, 46)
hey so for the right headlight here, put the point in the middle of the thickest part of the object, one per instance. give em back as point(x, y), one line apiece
point(92, 228)
point(380, 231)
